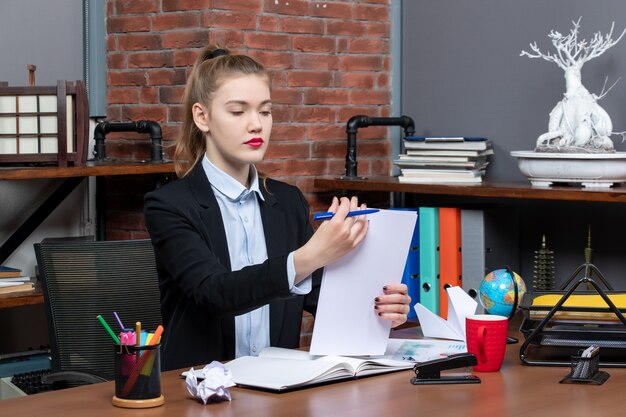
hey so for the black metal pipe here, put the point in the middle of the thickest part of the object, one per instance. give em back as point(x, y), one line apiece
point(143, 126)
point(357, 122)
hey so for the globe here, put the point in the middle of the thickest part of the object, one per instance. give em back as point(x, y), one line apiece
point(497, 292)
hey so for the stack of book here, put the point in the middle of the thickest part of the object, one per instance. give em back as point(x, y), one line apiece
point(444, 159)
point(11, 280)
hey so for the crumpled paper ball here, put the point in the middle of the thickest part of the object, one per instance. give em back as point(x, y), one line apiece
point(214, 379)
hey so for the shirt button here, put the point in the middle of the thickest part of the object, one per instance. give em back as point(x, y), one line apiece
point(254, 348)
point(245, 219)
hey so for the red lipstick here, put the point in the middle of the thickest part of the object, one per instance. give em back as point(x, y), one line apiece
point(255, 142)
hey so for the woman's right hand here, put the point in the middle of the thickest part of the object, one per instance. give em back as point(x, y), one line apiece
point(333, 238)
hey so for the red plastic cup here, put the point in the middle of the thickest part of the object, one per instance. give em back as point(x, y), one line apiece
point(486, 338)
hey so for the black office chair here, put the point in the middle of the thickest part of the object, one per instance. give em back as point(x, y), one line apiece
point(82, 279)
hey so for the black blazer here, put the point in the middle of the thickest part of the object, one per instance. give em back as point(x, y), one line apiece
point(200, 295)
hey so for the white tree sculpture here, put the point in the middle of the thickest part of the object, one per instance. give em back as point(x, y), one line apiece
point(577, 123)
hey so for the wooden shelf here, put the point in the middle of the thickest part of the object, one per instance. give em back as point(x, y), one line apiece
point(511, 190)
point(22, 298)
point(91, 169)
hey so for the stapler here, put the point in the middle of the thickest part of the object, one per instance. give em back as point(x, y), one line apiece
point(430, 372)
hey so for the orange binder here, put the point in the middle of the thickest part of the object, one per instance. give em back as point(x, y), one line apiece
point(449, 254)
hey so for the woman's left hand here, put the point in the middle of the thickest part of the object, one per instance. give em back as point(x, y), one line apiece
point(393, 304)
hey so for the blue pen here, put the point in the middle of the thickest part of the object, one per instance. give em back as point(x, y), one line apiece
point(329, 214)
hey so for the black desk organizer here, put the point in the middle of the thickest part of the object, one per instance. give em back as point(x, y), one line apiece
point(585, 370)
point(563, 339)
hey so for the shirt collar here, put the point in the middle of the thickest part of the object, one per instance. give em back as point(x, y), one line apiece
point(227, 185)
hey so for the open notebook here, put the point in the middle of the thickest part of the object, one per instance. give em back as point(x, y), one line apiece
point(279, 369)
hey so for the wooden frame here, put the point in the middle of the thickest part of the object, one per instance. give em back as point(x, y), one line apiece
point(64, 146)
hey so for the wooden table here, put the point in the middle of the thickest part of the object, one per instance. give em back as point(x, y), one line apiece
point(516, 390)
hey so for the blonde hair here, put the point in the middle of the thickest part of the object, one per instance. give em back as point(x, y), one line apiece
point(211, 68)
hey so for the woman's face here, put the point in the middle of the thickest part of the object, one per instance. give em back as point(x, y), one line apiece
point(237, 123)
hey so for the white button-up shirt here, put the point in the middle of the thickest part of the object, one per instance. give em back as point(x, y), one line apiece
point(246, 245)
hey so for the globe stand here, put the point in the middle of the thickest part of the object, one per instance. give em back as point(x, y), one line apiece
point(509, 339)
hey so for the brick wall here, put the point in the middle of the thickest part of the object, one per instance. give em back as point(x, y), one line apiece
point(329, 60)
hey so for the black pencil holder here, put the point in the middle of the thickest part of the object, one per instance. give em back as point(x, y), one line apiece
point(586, 370)
point(137, 376)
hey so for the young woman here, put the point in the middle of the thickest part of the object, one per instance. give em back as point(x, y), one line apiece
point(237, 257)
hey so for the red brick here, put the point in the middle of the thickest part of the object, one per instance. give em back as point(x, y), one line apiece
point(329, 149)
point(301, 25)
point(292, 7)
point(309, 79)
point(327, 132)
point(381, 29)
point(149, 95)
point(166, 77)
point(151, 59)
point(272, 59)
point(368, 46)
point(267, 41)
point(334, 10)
point(304, 167)
point(271, 168)
point(282, 114)
point(136, 6)
point(382, 80)
point(346, 28)
point(136, 42)
point(380, 167)
point(116, 60)
point(171, 95)
point(226, 38)
point(185, 58)
point(342, 46)
point(326, 96)
point(126, 78)
point(370, 97)
point(231, 20)
point(126, 220)
point(314, 114)
point(111, 41)
point(361, 63)
point(373, 148)
point(185, 5)
point(337, 167)
point(288, 150)
point(244, 5)
point(122, 95)
point(313, 44)
point(123, 24)
point(345, 113)
point(367, 12)
point(170, 132)
point(288, 131)
point(114, 112)
point(286, 96)
point(175, 21)
point(375, 1)
point(278, 78)
point(354, 80)
point(267, 23)
point(316, 61)
point(185, 39)
point(175, 114)
point(144, 113)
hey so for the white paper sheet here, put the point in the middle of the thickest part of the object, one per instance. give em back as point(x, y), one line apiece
point(460, 305)
point(346, 322)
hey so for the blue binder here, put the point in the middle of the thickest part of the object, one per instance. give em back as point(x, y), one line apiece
point(428, 220)
point(411, 275)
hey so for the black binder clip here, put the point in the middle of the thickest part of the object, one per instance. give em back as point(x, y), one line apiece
point(430, 372)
